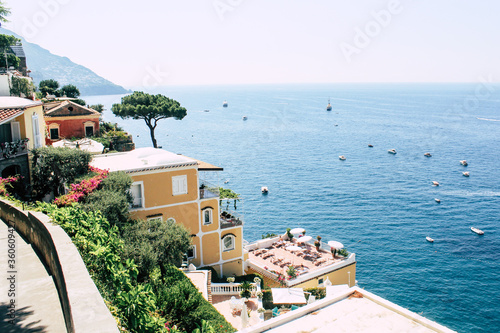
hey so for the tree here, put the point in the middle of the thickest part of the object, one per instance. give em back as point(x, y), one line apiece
point(21, 87)
point(49, 87)
point(155, 243)
point(6, 42)
point(98, 107)
point(150, 108)
point(3, 12)
point(70, 91)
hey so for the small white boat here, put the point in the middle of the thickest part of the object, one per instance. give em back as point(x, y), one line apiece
point(464, 163)
point(224, 104)
point(392, 151)
point(226, 181)
point(245, 117)
point(466, 174)
point(427, 155)
point(429, 239)
point(329, 106)
point(437, 200)
point(342, 157)
point(477, 231)
point(435, 183)
point(264, 190)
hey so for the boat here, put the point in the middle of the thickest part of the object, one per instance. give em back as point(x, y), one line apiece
point(224, 104)
point(464, 163)
point(437, 200)
point(477, 231)
point(427, 154)
point(429, 239)
point(392, 151)
point(245, 117)
point(264, 190)
point(329, 106)
point(371, 146)
point(206, 110)
point(342, 157)
point(466, 174)
point(435, 183)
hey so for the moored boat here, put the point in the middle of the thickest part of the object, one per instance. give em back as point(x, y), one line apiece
point(466, 174)
point(435, 183)
point(437, 200)
point(224, 104)
point(329, 106)
point(477, 231)
point(427, 155)
point(392, 151)
point(264, 190)
point(370, 146)
point(245, 118)
point(429, 239)
point(342, 157)
point(464, 162)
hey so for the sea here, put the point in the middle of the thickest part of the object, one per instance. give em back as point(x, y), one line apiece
point(381, 206)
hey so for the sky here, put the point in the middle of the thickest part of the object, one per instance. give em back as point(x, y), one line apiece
point(205, 42)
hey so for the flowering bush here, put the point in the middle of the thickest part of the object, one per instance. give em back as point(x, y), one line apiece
point(86, 186)
point(7, 184)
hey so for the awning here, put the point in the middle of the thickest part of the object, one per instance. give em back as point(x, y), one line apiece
point(288, 296)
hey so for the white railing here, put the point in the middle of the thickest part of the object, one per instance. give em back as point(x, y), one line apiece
point(231, 288)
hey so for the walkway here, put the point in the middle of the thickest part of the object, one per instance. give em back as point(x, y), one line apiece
point(37, 306)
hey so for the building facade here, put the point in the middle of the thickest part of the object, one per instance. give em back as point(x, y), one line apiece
point(167, 187)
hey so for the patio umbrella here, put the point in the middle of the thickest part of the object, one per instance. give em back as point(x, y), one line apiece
point(304, 239)
point(293, 248)
point(297, 231)
point(244, 316)
point(288, 296)
point(336, 245)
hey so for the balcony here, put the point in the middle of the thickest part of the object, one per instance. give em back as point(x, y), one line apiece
point(13, 149)
point(229, 219)
point(208, 190)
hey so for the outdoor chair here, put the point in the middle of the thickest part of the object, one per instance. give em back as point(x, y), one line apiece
point(311, 299)
point(294, 307)
point(276, 312)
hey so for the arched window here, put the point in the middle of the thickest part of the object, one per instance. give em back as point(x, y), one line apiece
point(228, 242)
point(207, 215)
point(170, 220)
point(11, 170)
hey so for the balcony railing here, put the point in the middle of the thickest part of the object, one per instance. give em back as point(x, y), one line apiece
point(208, 190)
point(230, 288)
point(229, 219)
point(13, 149)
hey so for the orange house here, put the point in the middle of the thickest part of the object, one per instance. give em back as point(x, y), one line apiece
point(67, 120)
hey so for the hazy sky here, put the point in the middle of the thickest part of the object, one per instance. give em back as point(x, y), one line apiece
point(165, 42)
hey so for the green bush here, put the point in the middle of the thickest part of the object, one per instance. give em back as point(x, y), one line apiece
point(180, 301)
point(52, 167)
point(113, 205)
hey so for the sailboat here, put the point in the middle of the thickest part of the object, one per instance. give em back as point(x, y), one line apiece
point(329, 106)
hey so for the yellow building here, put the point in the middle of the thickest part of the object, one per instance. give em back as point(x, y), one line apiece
point(167, 187)
point(21, 129)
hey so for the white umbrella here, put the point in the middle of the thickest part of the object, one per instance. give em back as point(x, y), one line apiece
point(304, 239)
point(293, 248)
point(244, 316)
point(336, 245)
point(297, 231)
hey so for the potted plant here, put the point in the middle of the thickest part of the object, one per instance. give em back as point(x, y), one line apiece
point(332, 250)
point(261, 310)
point(291, 272)
point(245, 289)
point(289, 234)
point(259, 295)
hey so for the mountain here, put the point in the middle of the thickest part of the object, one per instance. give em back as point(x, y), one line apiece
point(45, 65)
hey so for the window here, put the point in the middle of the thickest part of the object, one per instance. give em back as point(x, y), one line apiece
point(89, 128)
point(54, 133)
point(36, 131)
point(137, 195)
point(155, 218)
point(179, 185)
point(207, 215)
point(170, 220)
point(191, 253)
point(16, 131)
point(228, 243)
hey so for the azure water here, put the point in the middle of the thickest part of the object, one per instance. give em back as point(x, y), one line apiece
point(380, 205)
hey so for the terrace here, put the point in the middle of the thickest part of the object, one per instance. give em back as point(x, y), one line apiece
point(229, 219)
point(273, 257)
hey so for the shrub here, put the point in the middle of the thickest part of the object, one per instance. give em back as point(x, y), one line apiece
point(268, 235)
point(82, 189)
point(52, 167)
point(113, 205)
point(9, 185)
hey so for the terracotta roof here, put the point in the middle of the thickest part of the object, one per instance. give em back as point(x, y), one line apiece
point(9, 114)
point(68, 108)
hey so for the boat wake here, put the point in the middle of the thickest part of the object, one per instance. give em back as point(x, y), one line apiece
point(486, 119)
